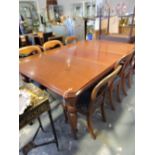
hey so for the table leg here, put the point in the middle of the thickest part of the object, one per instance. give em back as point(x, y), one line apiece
point(53, 128)
point(41, 126)
point(72, 115)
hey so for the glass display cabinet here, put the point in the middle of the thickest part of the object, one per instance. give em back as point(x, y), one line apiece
point(90, 9)
point(86, 10)
point(78, 10)
point(29, 16)
point(126, 24)
point(54, 13)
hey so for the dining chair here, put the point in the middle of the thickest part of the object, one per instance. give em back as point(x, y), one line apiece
point(120, 80)
point(133, 64)
point(70, 39)
point(93, 98)
point(52, 44)
point(129, 69)
point(29, 50)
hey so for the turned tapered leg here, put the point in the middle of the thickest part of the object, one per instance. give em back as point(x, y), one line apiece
point(90, 127)
point(118, 92)
point(72, 115)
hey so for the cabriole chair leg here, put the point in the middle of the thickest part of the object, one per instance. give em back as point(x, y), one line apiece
point(129, 80)
point(103, 112)
point(124, 86)
point(118, 92)
point(90, 127)
point(111, 100)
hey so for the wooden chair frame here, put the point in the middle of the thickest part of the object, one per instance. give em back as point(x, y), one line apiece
point(70, 39)
point(126, 62)
point(125, 74)
point(27, 50)
point(98, 92)
point(51, 44)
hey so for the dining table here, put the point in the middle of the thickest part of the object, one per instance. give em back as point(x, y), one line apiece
point(72, 69)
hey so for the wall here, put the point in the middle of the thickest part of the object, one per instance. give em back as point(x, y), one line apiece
point(68, 10)
point(67, 4)
point(67, 7)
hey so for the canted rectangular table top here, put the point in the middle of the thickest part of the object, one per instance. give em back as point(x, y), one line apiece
point(70, 69)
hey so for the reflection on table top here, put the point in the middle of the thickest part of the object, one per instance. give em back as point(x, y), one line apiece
point(69, 69)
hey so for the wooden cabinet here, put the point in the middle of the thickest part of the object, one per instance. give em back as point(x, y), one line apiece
point(50, 2)
point(125, 30)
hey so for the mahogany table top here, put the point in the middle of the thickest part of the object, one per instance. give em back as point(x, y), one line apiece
point(70, 69)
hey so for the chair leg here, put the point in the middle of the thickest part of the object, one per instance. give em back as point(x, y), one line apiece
point(129, 79)
point(103, 112)
point(118, 92)
point(133, 69)
point(90, 127)
point(124, 86)
point(111, 100)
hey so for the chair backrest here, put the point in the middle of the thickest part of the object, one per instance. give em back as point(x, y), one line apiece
point(51, 44)
point(126, 61)
point(133, 60)
point(28, 50)
point(98, 89)
point(70, 39)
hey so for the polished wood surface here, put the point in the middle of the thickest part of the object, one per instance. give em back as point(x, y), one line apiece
point(70, 69)
point(98, 51)
point(51, 44)
point(29, 49)
point(70, 39)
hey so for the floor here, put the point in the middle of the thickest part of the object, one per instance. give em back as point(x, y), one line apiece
point(116, 137)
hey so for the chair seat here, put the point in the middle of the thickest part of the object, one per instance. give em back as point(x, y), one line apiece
point(84, 100)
